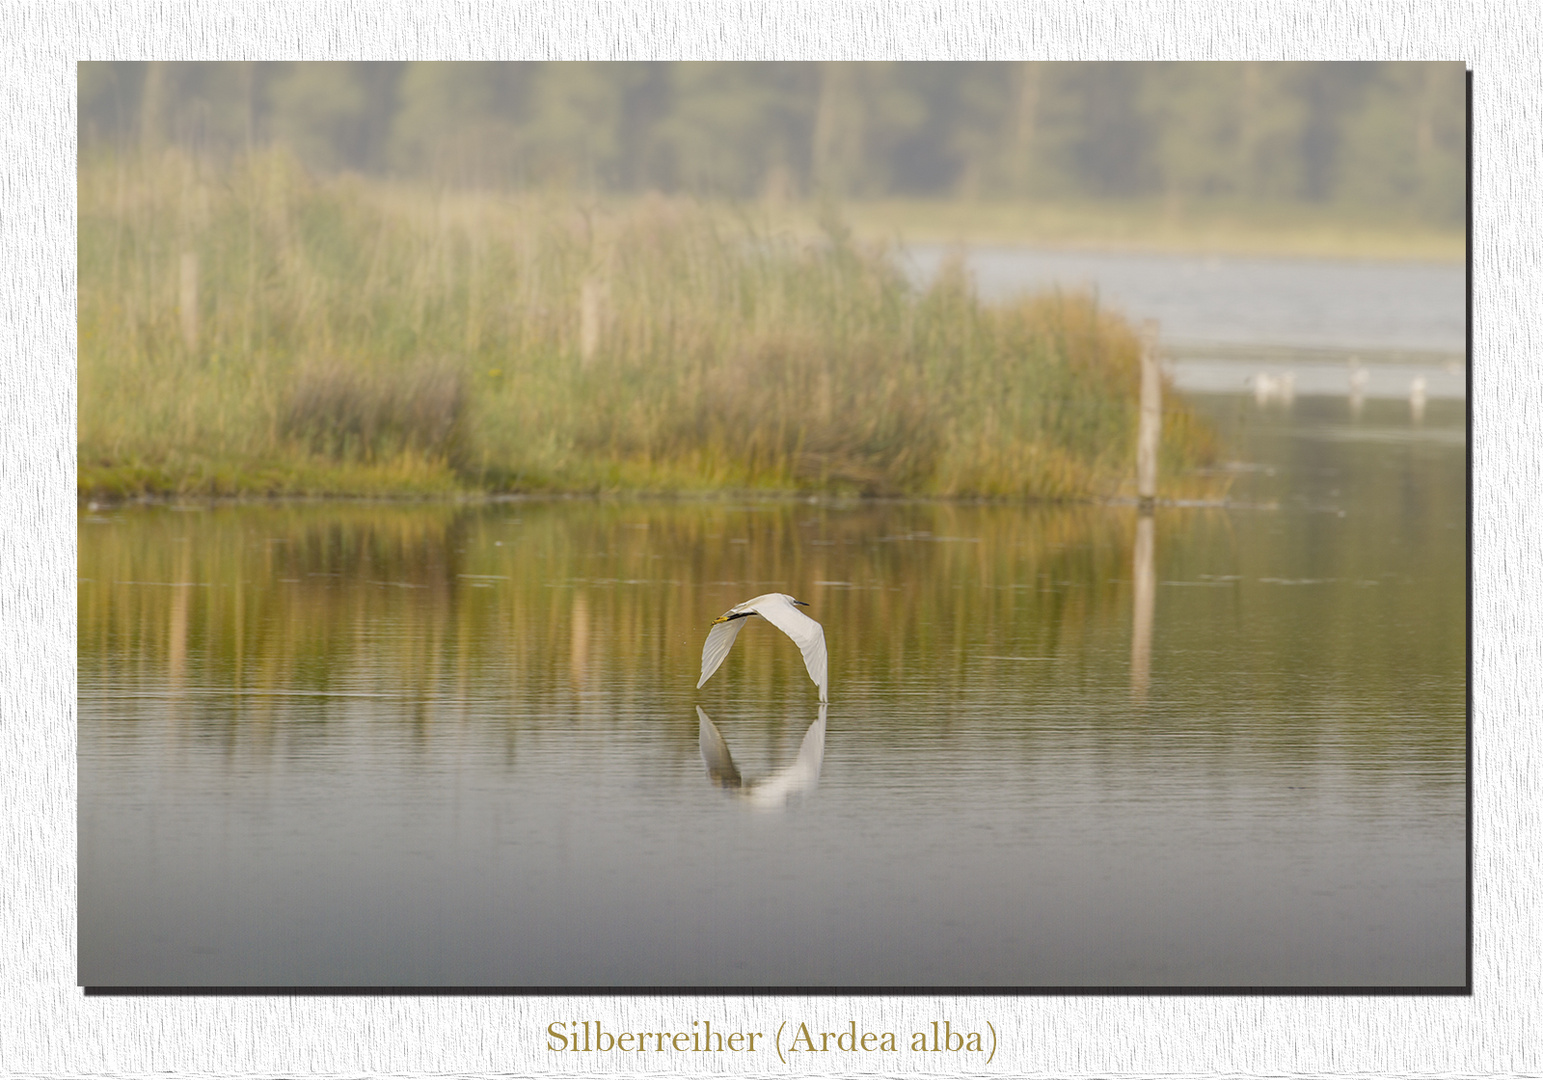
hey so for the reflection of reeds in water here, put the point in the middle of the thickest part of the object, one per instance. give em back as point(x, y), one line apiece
point(491, 621)
point(283, 599)
point(345, 335)
point(541, 599)
point(578, 645)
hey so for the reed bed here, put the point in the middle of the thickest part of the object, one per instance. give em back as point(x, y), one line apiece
point(248, 328)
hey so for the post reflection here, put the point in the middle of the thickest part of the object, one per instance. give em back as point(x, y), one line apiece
point(794, 781)
point(578, 644)
point(1146, 596)
point(1359, 378)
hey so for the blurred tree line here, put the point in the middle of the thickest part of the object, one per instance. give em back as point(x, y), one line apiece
point(1384, 135)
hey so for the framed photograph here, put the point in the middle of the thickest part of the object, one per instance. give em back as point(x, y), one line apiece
point(971, 527)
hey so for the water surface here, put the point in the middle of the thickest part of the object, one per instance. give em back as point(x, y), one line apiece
point(374, 744)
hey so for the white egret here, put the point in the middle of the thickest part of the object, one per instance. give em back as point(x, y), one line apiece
point(779, 610)
point(1269, 388)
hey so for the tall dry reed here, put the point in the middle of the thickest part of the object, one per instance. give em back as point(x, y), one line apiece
point(355, 336)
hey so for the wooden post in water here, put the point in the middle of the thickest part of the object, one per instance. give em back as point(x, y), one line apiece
point(1148, 438)
point(1149, 428)
point(187, 300)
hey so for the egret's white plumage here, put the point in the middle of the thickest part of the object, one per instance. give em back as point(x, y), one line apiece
point(778, 609)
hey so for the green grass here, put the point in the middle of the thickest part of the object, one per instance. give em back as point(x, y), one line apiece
point(249, 329)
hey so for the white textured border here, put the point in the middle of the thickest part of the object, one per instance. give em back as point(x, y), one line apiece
point(47, 1027)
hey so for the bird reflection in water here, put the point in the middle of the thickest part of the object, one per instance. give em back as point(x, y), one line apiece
point(793, 781)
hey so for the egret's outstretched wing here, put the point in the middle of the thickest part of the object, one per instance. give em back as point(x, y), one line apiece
point(720, 639)
point(798, 779)
point(715, 752)
point(807, 634)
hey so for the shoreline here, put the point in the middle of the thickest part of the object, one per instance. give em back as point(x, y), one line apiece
point(1285, 231)
point(95, 504)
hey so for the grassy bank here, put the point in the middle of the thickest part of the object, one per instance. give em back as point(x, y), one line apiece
point(252, 330)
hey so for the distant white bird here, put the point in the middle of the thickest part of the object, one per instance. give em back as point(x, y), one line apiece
point(1269, 388)
point(779, 610)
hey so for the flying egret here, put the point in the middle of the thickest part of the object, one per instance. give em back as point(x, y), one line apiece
point(779, 610)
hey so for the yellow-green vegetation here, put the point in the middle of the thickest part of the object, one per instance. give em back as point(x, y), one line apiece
point(252, 329)
point(612, 598)
point(478, 599)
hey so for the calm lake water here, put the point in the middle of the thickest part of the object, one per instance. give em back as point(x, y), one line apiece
point(371, 744)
